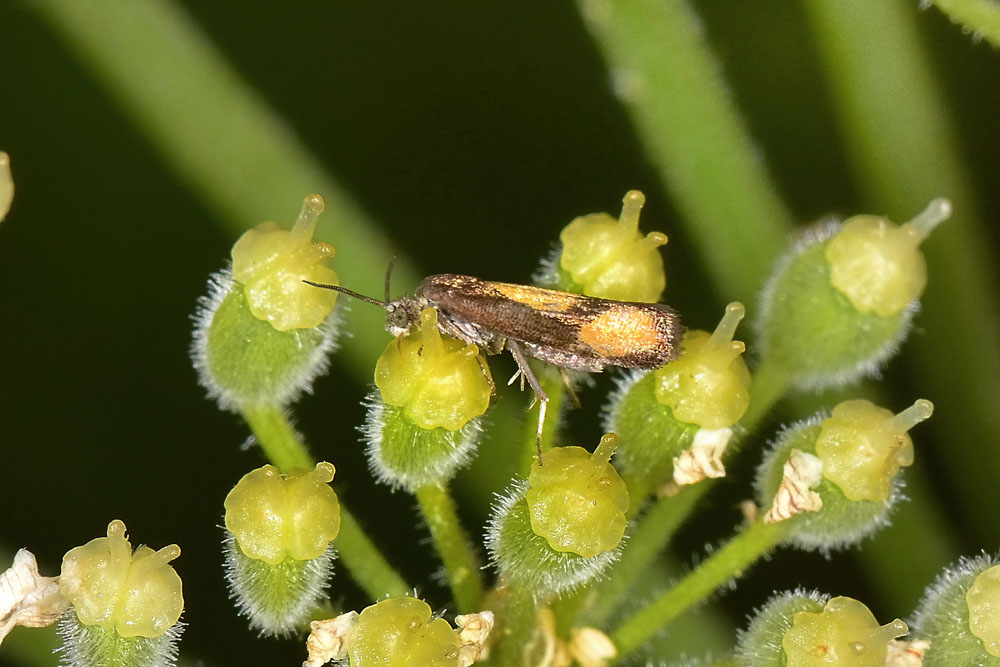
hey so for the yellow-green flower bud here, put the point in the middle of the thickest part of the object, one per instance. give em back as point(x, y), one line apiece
point(135, 594)
point(278, 547)
point(271, 262)
point(709, 384)
point(275, 516)
point(845, 634)
point(958, 615)
point(611, 258)
point(877, 264)
point(837, 520)
point(984, 602)
point(577, 500)
point(262, 338)
point(863, 446)
point(759, 644)
point(840, 304)
point(439, 381)
point(6, 185)
point(422, 423)
point(399, 632)
point(659, 415)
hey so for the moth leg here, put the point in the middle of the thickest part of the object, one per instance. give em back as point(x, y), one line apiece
point(489, 378)
point(568, 381)
point(536, 387)
point(513, 378)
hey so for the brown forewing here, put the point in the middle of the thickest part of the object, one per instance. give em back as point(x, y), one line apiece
point(550, 322)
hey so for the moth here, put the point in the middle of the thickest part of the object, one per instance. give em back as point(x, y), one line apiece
point(567, 330)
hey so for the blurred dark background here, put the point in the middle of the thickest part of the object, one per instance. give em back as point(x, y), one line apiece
point(472, 133)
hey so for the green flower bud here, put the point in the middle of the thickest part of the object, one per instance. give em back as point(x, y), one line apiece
point(611, 258)
point(677, 420)
point(958, 615)
point(983, 599)
point(862, 447)
point(855, 287)
point(709, 385)
point(275, 516)
point(439, 381)
point(793, 482)
point(262, 338)
point(845, 634)
point(278, 548)
point(577, 502)
point(127, 604)
point(6, 185)
point(760, 644)
point(399, 632)
point(271, 262)
point(135, 594)
point(423, 425)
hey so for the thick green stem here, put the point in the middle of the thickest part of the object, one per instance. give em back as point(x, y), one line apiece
point(285, 449)
point(667, 78)
point(729, 562)
point(365, 562)
point(519, 627)
point(221, 137)
point(460, 562)
point(277, 437)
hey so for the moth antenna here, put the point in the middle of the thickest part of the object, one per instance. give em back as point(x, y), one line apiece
point(349, 292)
point(388, 274)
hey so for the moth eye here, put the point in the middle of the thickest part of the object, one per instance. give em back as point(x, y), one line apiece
point(398, 318)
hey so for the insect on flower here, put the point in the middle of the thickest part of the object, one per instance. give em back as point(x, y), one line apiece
point(571, 331)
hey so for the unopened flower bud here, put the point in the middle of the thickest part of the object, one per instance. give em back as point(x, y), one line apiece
point(126, 604)
point(278, 547)
point(958, 615)
point(423, 423)
point(842, 301)
point(611, 258)
point(262, 335)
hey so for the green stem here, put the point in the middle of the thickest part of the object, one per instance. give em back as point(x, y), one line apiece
point(365, 562)
point(652, 534)
point(904, 150)
point(730, 561)
point(669, 81)
point(222, 137)
point(980, 17)
point(520, 622)
point(285, 449)
point(460, 562)
point(274, 433)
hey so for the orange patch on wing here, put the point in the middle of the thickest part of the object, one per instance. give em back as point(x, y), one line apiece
point(621, 331)
point(537, 298)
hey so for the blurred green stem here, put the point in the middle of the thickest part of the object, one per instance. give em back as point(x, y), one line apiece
point(453, 546)
point(666, 77)
point(902, 146)
point(221, 137)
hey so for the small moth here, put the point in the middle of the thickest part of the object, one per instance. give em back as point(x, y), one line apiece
point(571, 331)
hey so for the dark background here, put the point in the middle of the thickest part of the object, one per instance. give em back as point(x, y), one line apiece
point(472, 132)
